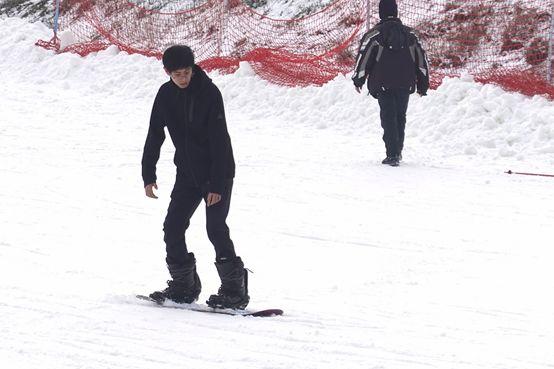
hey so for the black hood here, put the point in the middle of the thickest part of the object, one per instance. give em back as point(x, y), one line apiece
point(393, 33)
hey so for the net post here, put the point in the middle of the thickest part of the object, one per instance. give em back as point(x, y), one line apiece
point(223, 26)
point(550, 59)
point(56, 18)
point(367, 15)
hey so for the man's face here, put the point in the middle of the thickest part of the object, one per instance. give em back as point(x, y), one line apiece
point(181, 77)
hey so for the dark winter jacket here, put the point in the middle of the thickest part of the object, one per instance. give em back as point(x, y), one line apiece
point(391, 57)
point(195, 119)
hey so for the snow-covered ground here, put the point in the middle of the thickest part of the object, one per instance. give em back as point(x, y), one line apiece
point(444, 262)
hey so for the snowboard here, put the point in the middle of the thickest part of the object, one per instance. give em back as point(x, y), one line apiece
point(201, 308)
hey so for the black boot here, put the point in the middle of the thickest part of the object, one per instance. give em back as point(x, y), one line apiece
point(185, 285)
point(233, 293)
point(393, 160)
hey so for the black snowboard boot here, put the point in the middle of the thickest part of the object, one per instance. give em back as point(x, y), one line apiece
point(185, 285)
point(233, 293)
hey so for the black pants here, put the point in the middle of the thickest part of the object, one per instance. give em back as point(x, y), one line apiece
point(394, 104)
point(185, 199)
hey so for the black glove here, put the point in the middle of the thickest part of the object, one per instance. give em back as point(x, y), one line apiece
point(358, 82)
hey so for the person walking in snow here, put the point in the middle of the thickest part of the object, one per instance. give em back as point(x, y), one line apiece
point(191, 107)
point(393, 62)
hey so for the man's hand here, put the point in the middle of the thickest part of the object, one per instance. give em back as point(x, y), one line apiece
point(212, 199)
point(358, 89)
point(149, 190)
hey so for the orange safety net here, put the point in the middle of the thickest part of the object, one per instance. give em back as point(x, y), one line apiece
point(310, 50)
point(505, 42)
point(500, 41)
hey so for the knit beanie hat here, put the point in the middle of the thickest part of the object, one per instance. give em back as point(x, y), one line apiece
point(388, 8)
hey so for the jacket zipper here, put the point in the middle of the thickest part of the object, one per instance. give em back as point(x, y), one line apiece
point(188, 120)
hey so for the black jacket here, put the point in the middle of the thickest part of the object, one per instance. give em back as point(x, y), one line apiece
point(390, 57)
point(195, 119)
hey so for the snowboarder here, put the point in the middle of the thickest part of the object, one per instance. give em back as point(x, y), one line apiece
point(191, 107)
point(392, 60)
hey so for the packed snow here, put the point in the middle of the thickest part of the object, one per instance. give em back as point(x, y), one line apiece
point(443, 262)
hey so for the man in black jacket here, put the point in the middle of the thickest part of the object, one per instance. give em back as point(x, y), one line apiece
point(392, 60)
point(191, 107)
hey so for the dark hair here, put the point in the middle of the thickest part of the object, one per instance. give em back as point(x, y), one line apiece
point(388, 8)
point(178, 57)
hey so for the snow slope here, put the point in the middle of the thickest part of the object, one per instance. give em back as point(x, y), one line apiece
point(444, 262)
